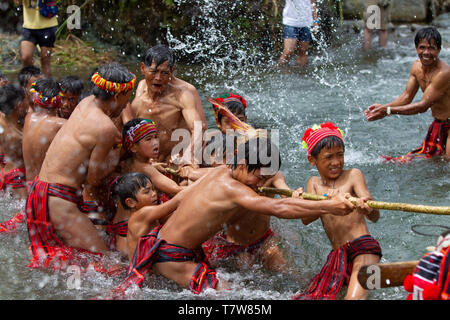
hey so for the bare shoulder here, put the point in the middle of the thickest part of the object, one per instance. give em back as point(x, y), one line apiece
point(444, 72)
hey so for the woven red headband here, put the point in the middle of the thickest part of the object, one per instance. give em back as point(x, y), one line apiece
point(317, 133)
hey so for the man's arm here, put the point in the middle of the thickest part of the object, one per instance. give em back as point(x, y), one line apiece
point(379, 111)
point(290, 208)
point(433, 93)
point(191, 117)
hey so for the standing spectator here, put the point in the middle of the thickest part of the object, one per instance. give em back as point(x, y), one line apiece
point(37, 30)
point(383, 14)
point(298, 16)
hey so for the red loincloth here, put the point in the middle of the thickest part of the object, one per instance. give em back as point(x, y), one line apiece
point(218, 248)
point(433, 145)
point(116, 229)
point(337, 269)
point(13, 179)
point(11, 224)
point(151, 249)
point(47, 249)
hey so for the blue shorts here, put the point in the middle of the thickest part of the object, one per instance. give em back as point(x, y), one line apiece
point(43, 37)
point(301, 34)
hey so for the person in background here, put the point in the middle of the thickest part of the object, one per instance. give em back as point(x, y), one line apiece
point(298, 17)
point(37, 30)
point(370, 17)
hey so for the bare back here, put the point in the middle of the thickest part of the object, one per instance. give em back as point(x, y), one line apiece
point(38, 133)
point(203, 211)
point(70, 154)
point(11, 144)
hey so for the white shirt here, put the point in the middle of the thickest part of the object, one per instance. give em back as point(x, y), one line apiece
point(298, 13)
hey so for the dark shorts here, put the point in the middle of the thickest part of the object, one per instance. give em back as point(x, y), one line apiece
point(301, 34)
point(42, 37)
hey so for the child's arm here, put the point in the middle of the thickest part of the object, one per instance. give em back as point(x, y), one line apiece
point(361, 191)
point(161, 182)
point(309, 189)
point(149, 214)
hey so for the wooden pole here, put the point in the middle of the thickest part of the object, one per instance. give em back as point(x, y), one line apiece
point(373, 204)
point(385, 275)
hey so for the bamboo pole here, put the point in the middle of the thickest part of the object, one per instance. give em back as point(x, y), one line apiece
point(373, 204)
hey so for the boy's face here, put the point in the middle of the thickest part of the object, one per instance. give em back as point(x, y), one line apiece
point(68, 103)
point(253, 179)
point(146, 196)
point(225, 125)
point(329, 162)
point(148, 146)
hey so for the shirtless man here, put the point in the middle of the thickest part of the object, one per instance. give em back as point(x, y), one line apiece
point(13, 110)
point(171, 107)
point(432, 75)
point(41, 125)
point(172, 249)
point(82, 153)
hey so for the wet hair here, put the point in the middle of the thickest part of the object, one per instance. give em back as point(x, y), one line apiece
point(112, 72)
point(48, 87)
point(428, 33)
point(251, 151)
point(10, 96)
point(159, 54)
point(327, 142)
point(128, 186)
point(235, 107)
point(72, 84)
point(213, 140)
point(26, 73)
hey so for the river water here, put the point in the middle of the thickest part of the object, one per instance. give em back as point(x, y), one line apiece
point(336, 86)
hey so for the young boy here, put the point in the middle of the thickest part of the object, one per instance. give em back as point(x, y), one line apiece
point(13, 111)
point(41, 125)
point(349, 236)
point(72, 88)
point(138, 211)
point(28, 75)
point(236, 104)
point(142, 142)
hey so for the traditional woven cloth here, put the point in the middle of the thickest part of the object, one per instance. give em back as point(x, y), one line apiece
point(316, 133)
point(433, 145)
point(337, 269)
point(12, 224)
point(218, 248)
point(151, 249)
point(47, 249)
point(13, 179)
point(116, 229)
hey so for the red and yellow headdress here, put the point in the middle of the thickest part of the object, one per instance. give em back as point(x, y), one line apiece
point(46, 102)
point(315, 134)
point(238, 125)
point(113, 87)
point(227, 97)
point(138, 132)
